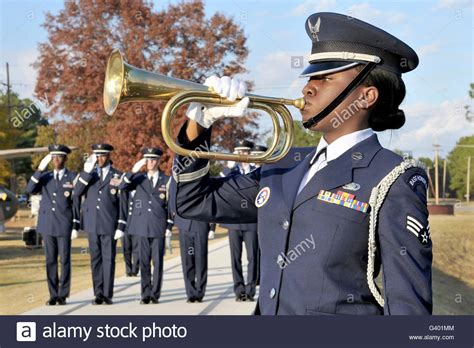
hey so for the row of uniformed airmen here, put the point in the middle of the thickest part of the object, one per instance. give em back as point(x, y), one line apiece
point(109, 205)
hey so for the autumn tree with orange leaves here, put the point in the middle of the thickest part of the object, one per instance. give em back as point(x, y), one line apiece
point(180, 41)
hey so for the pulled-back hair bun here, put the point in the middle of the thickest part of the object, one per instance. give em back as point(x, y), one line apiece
point(383, 122)
point(386, 114)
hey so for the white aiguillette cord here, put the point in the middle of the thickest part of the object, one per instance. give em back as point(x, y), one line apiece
point(376, 200)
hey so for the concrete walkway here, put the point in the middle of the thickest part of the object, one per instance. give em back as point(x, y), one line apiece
point(219, 299)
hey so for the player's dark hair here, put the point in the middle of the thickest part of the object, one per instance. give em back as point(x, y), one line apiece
point(386, 114)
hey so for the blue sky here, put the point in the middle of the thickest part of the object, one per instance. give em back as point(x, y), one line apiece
point(440, 31)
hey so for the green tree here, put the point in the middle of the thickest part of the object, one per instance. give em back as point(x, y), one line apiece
point(302, 137)
point(8, 140)
point(18, 129)
point(457, 161)
point(469, 115)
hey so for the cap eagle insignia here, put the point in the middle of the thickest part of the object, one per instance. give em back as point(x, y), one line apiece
point(314, 29)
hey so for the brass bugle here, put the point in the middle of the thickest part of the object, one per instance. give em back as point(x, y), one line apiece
point(125, 83)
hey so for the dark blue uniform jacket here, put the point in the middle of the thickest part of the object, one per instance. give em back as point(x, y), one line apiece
point(313, 252)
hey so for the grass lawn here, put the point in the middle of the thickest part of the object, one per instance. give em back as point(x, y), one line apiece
point(453, 246)
point(453, 264)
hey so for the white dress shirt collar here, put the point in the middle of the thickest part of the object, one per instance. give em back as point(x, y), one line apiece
point(60, 173)
point(154, 177)
point(341, 144)
point(105, 171)
point(244, 168)
point(333, 151)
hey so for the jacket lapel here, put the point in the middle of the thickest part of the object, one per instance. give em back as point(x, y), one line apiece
point(158, 183)
point(336, 173)
point(65, 177)
point(106, 180)
point(148, 184)
point(340, 171)
point(50, 180)
point(292, 178)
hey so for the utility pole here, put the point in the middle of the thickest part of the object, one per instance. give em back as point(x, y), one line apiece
point(444, 178)
point(9, 115)
point(436, 149)
point(9, 101)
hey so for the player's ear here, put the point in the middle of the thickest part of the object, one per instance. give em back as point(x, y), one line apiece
point(369, 96)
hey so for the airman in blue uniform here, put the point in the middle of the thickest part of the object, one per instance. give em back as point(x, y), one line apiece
point(330, 223)
point(193, 240)
point(258, 150)
point(243, 233)
point(131, 254)
point(130, 242)
point(150, 219)
point(102, 218)
point(58, 216)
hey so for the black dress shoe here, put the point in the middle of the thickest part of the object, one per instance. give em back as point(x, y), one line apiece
point(108, 301)
point(191, 300)
point(199, 299)
point(98, 300)
point(154, 300)
point(145, 300)
point(250, 298)
point(61, 301)
point(129, 274)
point(51, 302)
point(241, 298)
